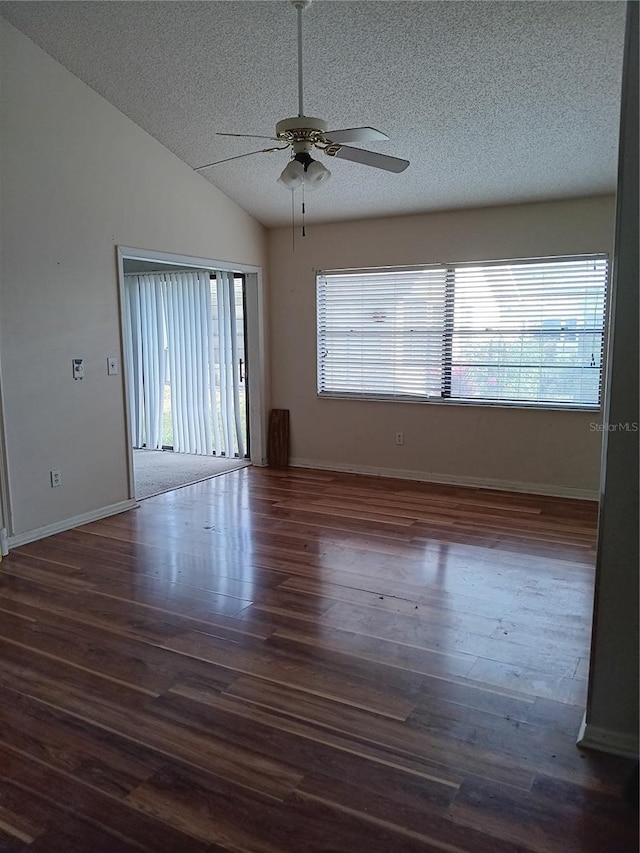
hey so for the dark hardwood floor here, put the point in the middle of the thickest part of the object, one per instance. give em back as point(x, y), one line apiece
point(286, 660)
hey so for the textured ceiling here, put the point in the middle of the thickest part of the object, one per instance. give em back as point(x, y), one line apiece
point(493, 102)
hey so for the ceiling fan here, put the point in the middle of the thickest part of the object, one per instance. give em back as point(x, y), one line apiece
point(303, 134)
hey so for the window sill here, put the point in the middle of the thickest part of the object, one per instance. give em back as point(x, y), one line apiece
point(437, 401)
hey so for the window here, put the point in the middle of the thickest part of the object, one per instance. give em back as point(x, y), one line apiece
point(514, 332)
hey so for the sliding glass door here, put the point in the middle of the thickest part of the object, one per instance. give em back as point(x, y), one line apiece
point(229, 414)
point(185, 348)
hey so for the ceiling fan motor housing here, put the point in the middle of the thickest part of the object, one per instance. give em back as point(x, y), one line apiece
point(301, 129)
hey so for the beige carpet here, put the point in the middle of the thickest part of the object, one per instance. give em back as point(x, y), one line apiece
point(158, 471)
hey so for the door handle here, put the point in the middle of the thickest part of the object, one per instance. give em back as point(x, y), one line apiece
point(241, 365)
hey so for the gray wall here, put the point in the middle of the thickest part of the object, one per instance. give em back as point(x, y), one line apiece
point(612, 714)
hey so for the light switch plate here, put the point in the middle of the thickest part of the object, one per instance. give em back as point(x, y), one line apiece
point(112, 366)
point(78, 368)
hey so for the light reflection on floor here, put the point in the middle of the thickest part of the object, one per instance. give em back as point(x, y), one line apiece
point(219, 516)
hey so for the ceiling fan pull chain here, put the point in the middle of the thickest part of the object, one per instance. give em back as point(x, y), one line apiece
point(304, 233)
point(293, 224)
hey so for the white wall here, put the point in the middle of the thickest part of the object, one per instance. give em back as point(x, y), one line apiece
point(77, 179)
point(549, 451)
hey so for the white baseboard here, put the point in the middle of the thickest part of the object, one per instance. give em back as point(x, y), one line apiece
point(445, 480)
point(605, 740)
point(69, 523)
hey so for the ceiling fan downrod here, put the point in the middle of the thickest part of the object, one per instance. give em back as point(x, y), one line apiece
point(300, 6)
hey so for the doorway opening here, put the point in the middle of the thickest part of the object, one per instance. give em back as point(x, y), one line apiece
point(187, 332)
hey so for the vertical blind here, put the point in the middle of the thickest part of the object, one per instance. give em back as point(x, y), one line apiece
point(181, 340)
point(146, 357)
point(529, 332)
point(186, 308)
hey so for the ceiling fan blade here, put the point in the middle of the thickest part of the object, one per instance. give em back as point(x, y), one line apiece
point(371, 158)
point(356, 134)
point(248, 135)
point(239, 156)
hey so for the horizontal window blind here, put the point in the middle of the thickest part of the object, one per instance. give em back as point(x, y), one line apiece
point(381, 333)
point(527, 332)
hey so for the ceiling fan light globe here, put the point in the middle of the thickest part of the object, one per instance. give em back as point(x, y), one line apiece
point(292, 175)
point(315, 175)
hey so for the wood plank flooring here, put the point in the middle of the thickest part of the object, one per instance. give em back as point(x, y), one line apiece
point(286, 661)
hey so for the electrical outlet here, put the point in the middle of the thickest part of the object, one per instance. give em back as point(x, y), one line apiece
point(56, 477)
point(399, 438)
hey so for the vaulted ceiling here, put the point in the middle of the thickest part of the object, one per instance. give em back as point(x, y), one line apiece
point(492, 102)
